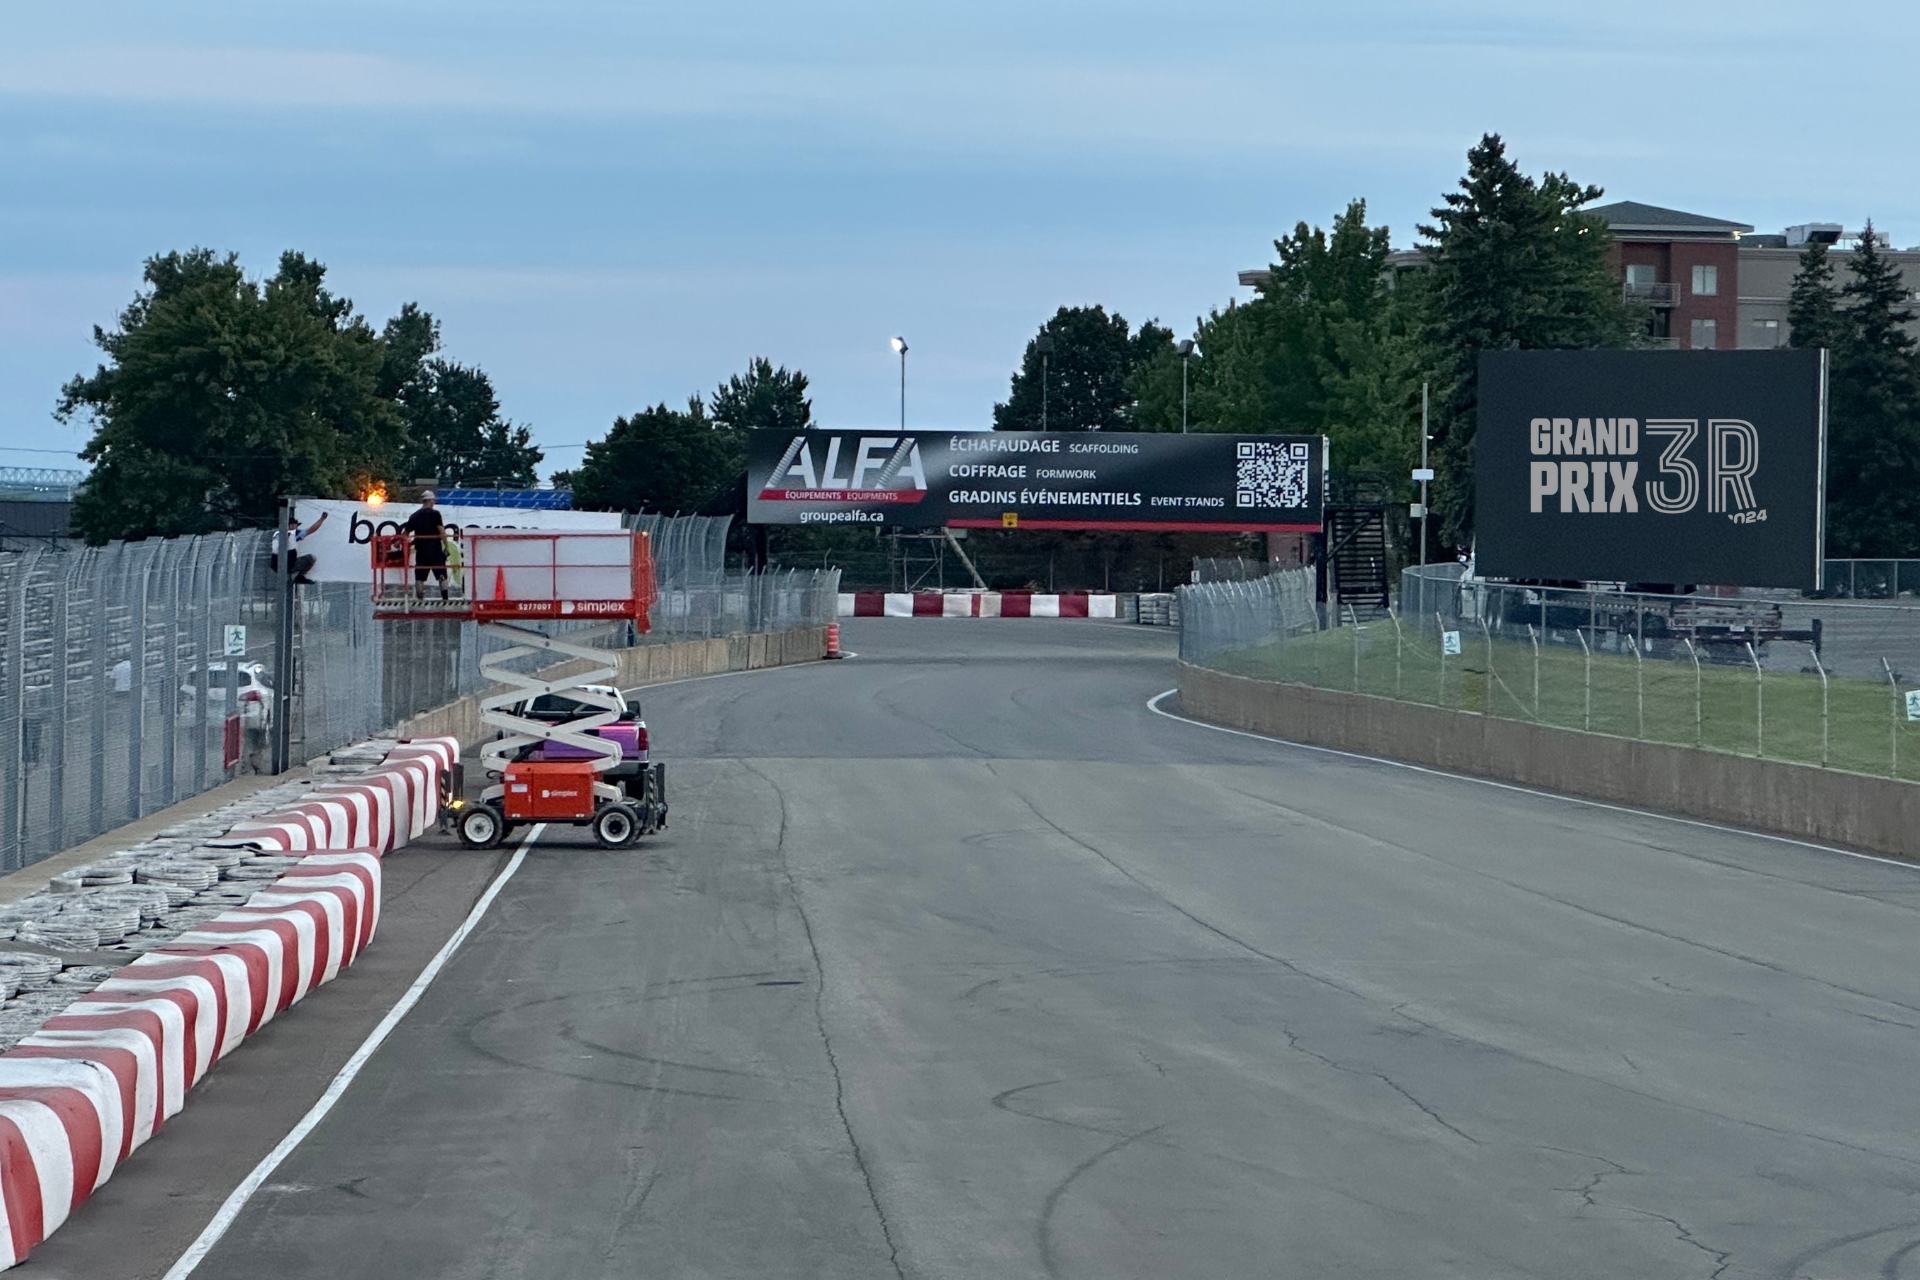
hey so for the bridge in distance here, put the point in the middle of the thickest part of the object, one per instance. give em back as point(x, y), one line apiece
point(959, 960)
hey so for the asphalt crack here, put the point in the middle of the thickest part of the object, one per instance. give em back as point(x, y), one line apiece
point(820, 1025)
point(1293, 1043)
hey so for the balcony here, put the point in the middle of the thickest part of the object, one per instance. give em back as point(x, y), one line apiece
point(1663, 294)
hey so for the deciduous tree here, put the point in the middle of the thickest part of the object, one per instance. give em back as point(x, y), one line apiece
point(1074, 374)
point(658, 460)
point(222, 394)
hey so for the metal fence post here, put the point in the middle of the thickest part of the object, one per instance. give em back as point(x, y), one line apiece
point(1487, 690)
point(1699, 738)
point(100, 579)
point(1759, 704)
point(142, 569)
point(13, 832)
point(279, 724)
point(54, 737)
point(1441, 637)
point(1353, 625)
point(1396, 651)
point(1535, 637)
point(1586, 719)
point(1639, 693)
point(1822, 669)
point(1893, 724)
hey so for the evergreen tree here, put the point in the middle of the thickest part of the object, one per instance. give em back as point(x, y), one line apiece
point(1515, 264)
point(1813, 305)
point(1873, 418)
point(1075, 373)
point(1327, 348)
point(763, 397)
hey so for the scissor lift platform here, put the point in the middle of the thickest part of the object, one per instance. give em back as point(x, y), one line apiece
point(510, 578)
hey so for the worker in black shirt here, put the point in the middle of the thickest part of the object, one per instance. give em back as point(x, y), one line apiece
point(428, 534)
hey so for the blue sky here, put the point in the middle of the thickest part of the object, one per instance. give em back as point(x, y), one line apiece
point(609, 205)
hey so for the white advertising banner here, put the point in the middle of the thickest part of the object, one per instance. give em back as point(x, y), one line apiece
point(341, 547)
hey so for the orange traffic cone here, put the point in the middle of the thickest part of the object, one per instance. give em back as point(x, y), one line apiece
point(833, 641)
point(499, 583)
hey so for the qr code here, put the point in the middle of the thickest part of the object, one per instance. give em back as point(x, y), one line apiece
point(1270, 474)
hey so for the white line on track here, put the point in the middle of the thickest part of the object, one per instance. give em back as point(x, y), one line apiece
point(1153, 705)
point(197, 1252)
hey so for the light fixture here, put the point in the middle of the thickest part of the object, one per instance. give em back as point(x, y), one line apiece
point(900, 345)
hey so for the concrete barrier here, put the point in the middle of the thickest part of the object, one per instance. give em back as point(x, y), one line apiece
point(1877, 814)
point(640, 665)
point(100, 1078)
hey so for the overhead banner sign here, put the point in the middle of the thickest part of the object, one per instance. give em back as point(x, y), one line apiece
point(1681, 467)
point(339, 533)
point(1037, 480)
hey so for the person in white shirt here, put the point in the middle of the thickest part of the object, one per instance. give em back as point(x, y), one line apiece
point(301, 564)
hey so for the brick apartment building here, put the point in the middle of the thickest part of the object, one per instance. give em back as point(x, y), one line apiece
point(1709, 284)
point(1713, 285)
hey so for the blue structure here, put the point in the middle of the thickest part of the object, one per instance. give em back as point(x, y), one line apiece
point(524, 499)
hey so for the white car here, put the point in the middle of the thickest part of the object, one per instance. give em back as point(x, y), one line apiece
point(254, 695)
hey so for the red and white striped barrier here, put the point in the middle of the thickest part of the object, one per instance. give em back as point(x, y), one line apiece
point(978, 604)
point(383, 810)
point(98, 1080)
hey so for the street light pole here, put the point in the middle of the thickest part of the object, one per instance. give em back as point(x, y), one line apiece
point(1424, 437)
point(900, 345)
point(1185, 348)
point(1044, 345)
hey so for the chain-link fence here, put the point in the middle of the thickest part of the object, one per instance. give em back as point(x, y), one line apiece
point(1871, 579)
point(430, 662)
point(1231, 616)
point(1812, 681)
point(131, 677)
point(688, 551)
point(136, 675)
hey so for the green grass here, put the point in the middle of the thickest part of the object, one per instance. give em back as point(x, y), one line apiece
point(1656, 699)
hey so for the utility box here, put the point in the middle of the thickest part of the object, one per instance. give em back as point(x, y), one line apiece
point(539, 790)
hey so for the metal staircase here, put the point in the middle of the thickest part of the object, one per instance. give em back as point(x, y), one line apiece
point(1357, 557)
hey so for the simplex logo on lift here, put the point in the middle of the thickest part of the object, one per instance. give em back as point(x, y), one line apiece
point(874, 466)
point(1707, 466)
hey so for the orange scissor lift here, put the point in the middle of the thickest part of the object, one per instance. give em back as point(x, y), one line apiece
point(511, 578)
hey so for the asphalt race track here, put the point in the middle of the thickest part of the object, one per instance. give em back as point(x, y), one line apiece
point(959, 961)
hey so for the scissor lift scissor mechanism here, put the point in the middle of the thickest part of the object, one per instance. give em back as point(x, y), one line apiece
point(512, 578)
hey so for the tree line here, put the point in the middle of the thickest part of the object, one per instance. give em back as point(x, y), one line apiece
point(221, 394)
point(1338, 342)
point(1873, 397)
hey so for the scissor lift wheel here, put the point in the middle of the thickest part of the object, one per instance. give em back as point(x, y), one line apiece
point(481, 826)
point(616, 826)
